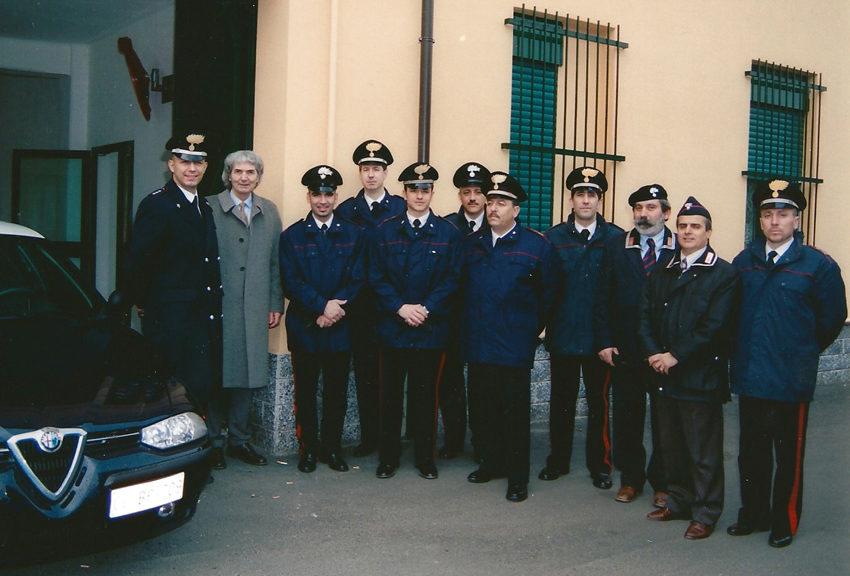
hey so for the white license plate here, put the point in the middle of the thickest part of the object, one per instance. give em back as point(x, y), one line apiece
point(147, 495)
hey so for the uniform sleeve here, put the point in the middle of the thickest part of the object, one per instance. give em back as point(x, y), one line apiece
point(647, 344)
point(601, 304)
point(355, 276)
point(550, 283)
point(387, 298)
point(149, 235)
point(439, 300)
point(830, 303)
point(295, 287)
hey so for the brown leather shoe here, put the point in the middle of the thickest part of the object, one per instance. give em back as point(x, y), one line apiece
point(659, 499)
point(698, 531)
point(661, 515)
point(626, 494)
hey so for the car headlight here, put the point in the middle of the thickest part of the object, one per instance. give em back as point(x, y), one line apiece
point(174, 431)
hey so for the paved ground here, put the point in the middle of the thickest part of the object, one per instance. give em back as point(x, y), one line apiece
point(275, 520)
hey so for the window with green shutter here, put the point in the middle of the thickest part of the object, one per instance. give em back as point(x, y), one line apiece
point(784, 135)
point(563, 108)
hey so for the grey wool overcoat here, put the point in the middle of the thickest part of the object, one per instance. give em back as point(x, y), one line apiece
point(250, 274)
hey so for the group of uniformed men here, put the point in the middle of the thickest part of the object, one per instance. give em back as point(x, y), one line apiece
point(409, 296)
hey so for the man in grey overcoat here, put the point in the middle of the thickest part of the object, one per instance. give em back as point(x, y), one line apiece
point(248, 227)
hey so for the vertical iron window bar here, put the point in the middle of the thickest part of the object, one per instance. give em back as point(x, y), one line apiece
point(543, 43)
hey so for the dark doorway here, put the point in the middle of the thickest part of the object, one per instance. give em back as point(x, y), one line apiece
point(215, 54)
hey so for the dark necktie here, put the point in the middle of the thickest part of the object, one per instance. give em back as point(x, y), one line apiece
point(585, 235)
point(324, 229)
point(472, 225)
point(771, 259)
point(649, 257)
point(373, 206)
point(416, 225)
point(196, 209)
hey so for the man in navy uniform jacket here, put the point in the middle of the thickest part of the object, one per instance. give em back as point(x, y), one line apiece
point(793, 306)
point(174, 275)
point(322, 270)
point(469, 179)
point(368, 208)
point(510, 278)
point(414, 266)
point(580, 242)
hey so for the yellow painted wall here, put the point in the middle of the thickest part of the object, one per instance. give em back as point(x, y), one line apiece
point(332, 73)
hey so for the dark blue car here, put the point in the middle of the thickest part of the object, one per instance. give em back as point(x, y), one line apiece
point(94, 432)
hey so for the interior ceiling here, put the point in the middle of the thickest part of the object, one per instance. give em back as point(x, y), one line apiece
point(75, 22)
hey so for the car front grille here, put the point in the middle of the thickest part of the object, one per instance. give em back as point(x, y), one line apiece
point(50, 469)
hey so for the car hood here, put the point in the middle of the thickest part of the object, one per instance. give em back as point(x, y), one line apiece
point(70, 372)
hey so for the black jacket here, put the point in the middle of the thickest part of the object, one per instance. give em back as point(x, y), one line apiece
point(691, 316)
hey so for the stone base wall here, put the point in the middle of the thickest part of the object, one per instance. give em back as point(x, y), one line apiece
point(274, 417)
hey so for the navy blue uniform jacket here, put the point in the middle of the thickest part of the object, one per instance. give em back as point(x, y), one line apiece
point(313, 271)
point(691, 315)
point(405, 268)
point(620, 282)
point(789, 314)
point(508, 294)
point(570, 329)
point(174, 253)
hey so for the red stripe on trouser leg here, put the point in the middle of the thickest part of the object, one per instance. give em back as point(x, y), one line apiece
point(793, 517)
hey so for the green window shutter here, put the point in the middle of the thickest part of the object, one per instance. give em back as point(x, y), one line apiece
point(538, 52)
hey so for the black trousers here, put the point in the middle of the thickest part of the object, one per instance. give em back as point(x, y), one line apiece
point(505, 394)
point(453, 401)
point(334, 368)
point(364, 352)
point(422, 369)
point(692, 444)
point(565, 375)
point(630, 386)
point(769, 427)
point(235, 403)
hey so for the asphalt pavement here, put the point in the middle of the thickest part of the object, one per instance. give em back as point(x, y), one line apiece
point(274, 520)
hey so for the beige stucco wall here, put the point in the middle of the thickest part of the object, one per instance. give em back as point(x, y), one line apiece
point(331, 73)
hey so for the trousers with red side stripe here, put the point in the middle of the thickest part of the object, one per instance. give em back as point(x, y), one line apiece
point(769, 498)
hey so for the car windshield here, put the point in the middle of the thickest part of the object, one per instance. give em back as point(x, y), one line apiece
point(36, 282)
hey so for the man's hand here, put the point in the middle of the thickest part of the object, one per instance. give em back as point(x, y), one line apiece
point(140, 311)
point(413, 314)
point(607, 355)
point(274, 319)
point(334, 310)
point(662, 363)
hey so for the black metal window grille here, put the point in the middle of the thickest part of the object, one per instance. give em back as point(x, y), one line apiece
point(564, 102)
point(785, 107)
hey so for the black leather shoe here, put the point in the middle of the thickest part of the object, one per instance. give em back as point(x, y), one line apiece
point(218, 461)
point(336, 462)
point(742, 529)
point(479, 476)
point(428, 471)
point(447, 453)
point(550, 473)
point(385, 471)
point(364, 450)
point(779, 541)
point(602, 481)
point(517, 492)
point(307, 463)
point(247, 454)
